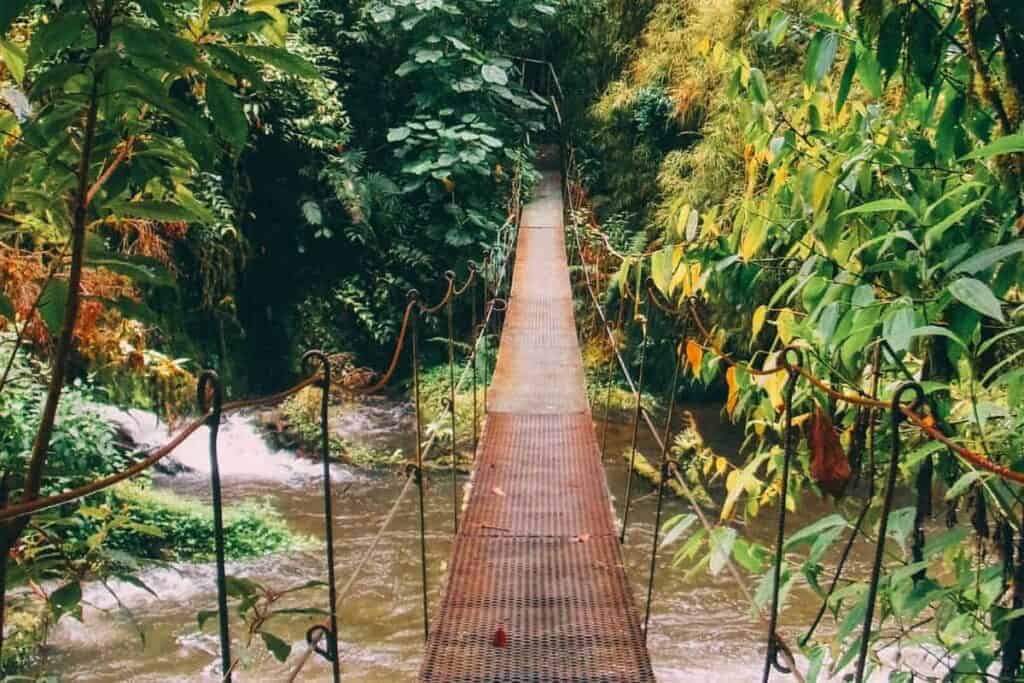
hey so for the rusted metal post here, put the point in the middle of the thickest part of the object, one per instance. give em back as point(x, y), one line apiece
point(5, 489)
point(450, 276)
point(474, 340)
point(331, 634)
point(414, 340)
point(793, 360)
point(636, 418)
point(897, 416)
point(487, 302)
point(210, 382)
point(666, 472)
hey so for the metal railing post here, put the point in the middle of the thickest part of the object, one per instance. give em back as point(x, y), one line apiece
point(897, 418)
point(450, 275)
point(414, 341)
point(209, 381)
point(771, 659)
point(325, 387)
point(474, 340)
point(666, 472)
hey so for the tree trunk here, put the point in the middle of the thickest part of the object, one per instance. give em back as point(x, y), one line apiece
point(10, 533)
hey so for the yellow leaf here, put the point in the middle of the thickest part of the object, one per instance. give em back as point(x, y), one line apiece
point(821, 192)
point(753, 174)
point(786, 324)
point(774, 384)
point(687, 277)
point(732, 482)
point(695, 355)
point(753, 238)
point(721, 465)
point(758, 322)
point(695, 273)
point(734, 389)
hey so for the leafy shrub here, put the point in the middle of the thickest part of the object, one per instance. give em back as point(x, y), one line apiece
point(84, 445)
point(651, 111)
point(169, 527)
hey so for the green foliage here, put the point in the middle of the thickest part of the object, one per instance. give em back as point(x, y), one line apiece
point(186, 527)
point(260, 608)
point(854, 177)
point(84, 446)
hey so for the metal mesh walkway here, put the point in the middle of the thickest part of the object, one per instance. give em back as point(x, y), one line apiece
point(536, 556)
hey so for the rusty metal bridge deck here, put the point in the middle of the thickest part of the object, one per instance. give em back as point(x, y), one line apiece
point(536, 557)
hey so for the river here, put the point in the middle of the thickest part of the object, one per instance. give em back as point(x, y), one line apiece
point(700, 629)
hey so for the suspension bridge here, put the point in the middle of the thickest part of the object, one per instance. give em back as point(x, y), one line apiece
point(536, 589)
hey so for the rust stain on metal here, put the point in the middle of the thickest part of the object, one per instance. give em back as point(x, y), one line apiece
point(536, 590)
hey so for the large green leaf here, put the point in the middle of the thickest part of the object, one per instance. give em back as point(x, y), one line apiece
point(811, 531)
point(758, 86)
point(870, 73)
point(399, 134)
point(881, 206)
point(278, 647)
point(166, 212)
point(66, 600)
point(820, 56)
point(846, 82)
point(235, 63)
point(977, 295)
point(934, 234)
point(722, 540)
point(241, 22)
point(52, 304)
point(494, 74)
point(14, 58)
point(280, 59)
point(1008, 144)
point(227, 113)
point(935, 331)
point(155, 93)
point(163, 48)
point(54, 78)
point(989, 257)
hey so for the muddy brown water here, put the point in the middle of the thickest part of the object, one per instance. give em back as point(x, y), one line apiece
point(700, 629)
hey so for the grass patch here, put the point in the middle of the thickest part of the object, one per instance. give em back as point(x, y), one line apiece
point(171, 527)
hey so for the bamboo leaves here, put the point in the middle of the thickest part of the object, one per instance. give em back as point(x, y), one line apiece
point(977, 295)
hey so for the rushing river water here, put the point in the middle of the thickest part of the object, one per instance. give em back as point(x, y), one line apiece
point(700, 629)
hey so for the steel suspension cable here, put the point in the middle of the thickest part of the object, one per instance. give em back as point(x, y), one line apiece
point(628, 498)
point(357, 572)
point(666, 469)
